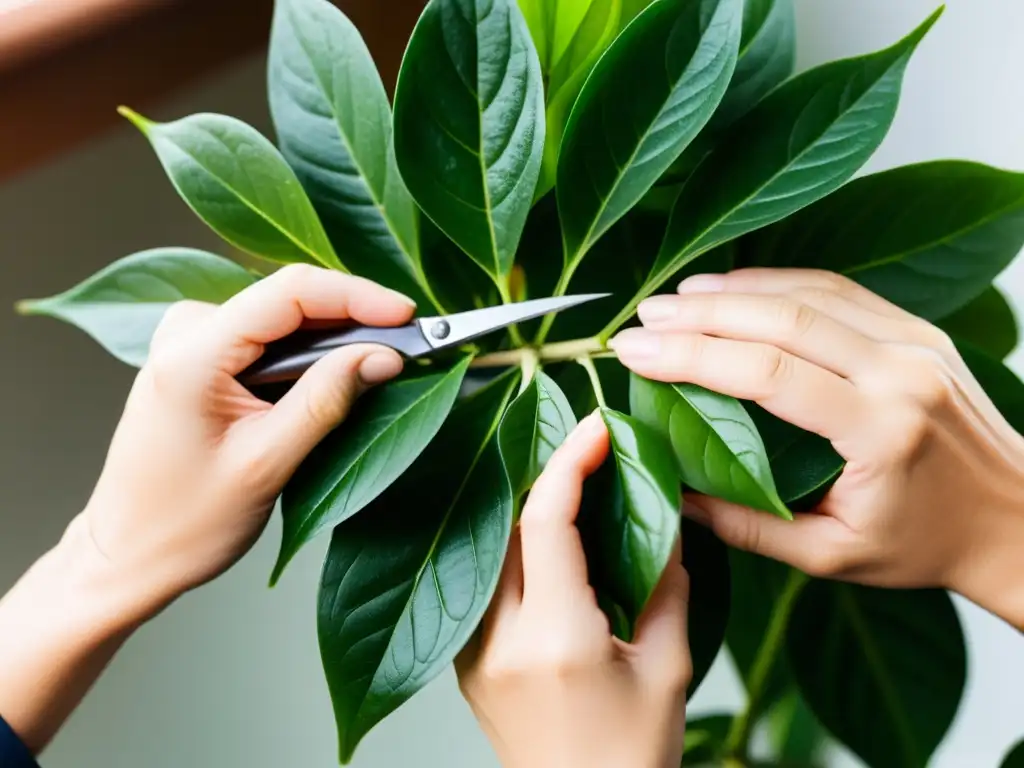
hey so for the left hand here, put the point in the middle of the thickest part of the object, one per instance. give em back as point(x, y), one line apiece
point(549, 683)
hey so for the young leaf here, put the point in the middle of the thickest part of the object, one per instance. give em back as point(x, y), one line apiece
point(643, 103)
point(553, 25)
point(535, 424)
point(959, 225)
point(406, 583)
point(988, 323)
point(469, 124)
point(883, 669)
point(1015, 757)
point(122, 304)
point(237, 182)
point(717, 446)
point(706, 560)
point(630, 514)
point(388, 429)
point(333, 124)
point(798, 145)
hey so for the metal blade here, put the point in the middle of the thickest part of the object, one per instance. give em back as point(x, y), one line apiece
point(453, 330)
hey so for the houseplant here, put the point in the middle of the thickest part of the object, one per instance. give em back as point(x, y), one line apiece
point(582, 145)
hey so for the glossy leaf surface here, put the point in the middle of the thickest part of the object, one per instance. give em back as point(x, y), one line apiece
point(929, 238)
point(122, 304)
point(407, 581)
point(645, 100)
point(706, 560)
point(884, 670)
point(716, 444)
point(798, 145)
point(535, 424)
point(988, 323)
point(239, 184)
point(387, 430)
point(333, 124)
point(469, 124)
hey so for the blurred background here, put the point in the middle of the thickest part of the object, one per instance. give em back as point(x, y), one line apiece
point(230, 676)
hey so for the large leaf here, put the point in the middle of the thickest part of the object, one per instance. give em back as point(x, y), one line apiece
point(387, 430)
point(927, 237)
point(469, 124)
point(333, 125)
point(1015, 757)
point(535, 424)
point(716, 444)
point(706, 560)
point(406, 583)
point(987, 322)
point(643, 103)
point(630, 515)
point(237, 182)
point(883, 670)
point(122, 304)
point(1001, 384)
point(798, 145)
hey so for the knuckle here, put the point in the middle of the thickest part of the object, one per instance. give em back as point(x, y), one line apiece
point(929, 381)
point(774, 369)
point(293, 276)
point(825, 561)
point(793, 318)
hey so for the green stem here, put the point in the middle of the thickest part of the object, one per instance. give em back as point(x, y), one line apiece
point(560, 289)
point(529, 365)
point(549, 353)
point(738, 741)
point(506, 298)
point(595, 381)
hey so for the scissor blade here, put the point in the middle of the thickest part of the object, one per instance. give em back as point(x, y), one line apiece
point(465, 326)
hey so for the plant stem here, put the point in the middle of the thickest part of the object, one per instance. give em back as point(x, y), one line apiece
point(506, 298)
point(560, 289)
point(529, 364)
point(549, 353)
point(738, 741)
point(595, 381)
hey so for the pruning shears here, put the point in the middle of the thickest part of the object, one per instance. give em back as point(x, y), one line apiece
point(286, 360)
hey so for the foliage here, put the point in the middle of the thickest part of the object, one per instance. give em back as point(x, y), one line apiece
point(612, 145)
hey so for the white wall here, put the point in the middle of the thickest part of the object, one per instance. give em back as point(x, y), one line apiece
point(230, 676)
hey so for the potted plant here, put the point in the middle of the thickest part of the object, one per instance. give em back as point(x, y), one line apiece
point(591, 145)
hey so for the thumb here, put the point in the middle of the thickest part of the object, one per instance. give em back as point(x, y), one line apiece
point(323, 397)
point(661, 631)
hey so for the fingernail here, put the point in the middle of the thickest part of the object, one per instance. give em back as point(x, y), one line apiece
point(636, 344)
point(659, 309)
point(404, 299)
point(695, 513)
point(702, 284)
point(378, 367)
point(587, 427)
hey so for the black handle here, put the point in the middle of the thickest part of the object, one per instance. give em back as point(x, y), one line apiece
point(286, 360)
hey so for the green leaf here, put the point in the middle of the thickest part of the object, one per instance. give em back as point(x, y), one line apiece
point(1015, 758)
point(716, 444)
point(705, 739)
point(387, 430)
point(883, 670)
point(333, 124)
point(121, 305)
point(797, 736)
point(629, 519)
point(798, 145)
point(1001, 384)
point(645, 100)
point(469, 124)
point(535, 424)
point(237, 182)
point(706, 560)
point(959, 225)
point(987, 322)
point(553, 25)
point(406, 583)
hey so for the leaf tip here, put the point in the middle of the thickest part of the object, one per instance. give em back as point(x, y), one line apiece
point(28, 306)
point(135, 118)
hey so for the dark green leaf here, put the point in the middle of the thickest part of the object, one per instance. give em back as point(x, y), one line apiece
point(1001, 384)
point(237, 182)
point(333, 125)
point(1015, 758)
point(798, 145)
point(406, 583)
point(387, 430)
point(797, 736)
point(987, 322)
point(469, 124)
point(535, 424)
point(630, 515)
point(716, 444)
point(706, 560)
point(705, 739)
point(122, 304)
point(644, 101)
point(959, 225)
point(883, 670)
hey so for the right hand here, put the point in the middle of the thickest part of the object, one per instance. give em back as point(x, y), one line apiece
point(933, 489)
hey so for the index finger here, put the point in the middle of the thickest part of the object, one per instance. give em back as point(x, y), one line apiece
point(279, 305)
point(554, 565)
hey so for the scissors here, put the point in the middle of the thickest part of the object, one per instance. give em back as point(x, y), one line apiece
point(287, 359)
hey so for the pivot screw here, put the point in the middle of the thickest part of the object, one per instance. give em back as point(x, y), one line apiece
point(440, 330)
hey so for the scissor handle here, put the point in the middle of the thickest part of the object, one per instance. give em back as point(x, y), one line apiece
point(286, 360)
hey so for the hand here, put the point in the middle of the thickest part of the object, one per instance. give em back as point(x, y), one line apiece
point(550, 685)
point(933, 490)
